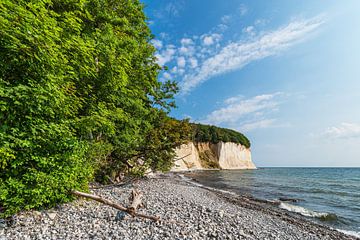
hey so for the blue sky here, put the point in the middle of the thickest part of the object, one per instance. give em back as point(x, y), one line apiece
point(285, 73)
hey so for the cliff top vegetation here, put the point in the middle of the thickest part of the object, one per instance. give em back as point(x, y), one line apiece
point(213, 134)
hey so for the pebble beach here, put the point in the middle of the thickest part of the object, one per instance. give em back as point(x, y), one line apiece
point(187, 211)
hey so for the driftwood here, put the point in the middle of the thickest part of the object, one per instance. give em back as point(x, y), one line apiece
point(130, 210)
point(136, 201)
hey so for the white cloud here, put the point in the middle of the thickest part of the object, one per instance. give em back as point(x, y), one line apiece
point(237, 108)
point(164, 35)
point(222, 27)
point(344, 130)
point(261, 22)
point(265, 123)
point(238, 54)
point(193, 62)
point(232, 100)
point(181, 71)
point(186, 41)
point(167, 75)
point(243, 10)
point(174, 70)
point(173, 8)
point(225, 18)
point(208, 40)
point(187, 50)
point(249, 30)
point(157, 43)
point(181, 62)
point(168, 9)
point(211, 39)
point(166, 55)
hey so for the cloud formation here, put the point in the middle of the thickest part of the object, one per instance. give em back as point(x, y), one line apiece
point(211, 39)
point(157, 43)
point(245, 114)
point(343, 131)
point(243, 10)
point(170, 8)
point(265, 123)
point(196, 59)
point(236, 55)
point(166, 55)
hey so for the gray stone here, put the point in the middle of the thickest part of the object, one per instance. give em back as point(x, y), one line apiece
point(187, 211)
point(120, 215)
point(2, 223)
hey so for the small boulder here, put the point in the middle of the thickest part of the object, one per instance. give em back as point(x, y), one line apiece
point(284, 199)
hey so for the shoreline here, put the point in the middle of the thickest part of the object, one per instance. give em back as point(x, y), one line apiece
point(274, 205)
point(188, 210)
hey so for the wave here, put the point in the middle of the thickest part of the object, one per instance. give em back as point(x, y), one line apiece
point(327, 217)
point(351, 233)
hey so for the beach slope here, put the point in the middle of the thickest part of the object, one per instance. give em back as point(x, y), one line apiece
point(187, 210)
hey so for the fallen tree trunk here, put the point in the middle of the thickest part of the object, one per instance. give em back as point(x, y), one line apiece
point(131, 210)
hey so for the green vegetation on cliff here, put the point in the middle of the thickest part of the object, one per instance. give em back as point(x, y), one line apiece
point(213, 134)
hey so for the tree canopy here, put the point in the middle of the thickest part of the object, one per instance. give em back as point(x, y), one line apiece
point(79, 98)
point(213, 134)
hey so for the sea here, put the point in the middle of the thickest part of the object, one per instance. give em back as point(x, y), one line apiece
point(329, 196)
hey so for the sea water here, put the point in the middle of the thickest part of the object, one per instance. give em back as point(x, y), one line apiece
point(327, 195)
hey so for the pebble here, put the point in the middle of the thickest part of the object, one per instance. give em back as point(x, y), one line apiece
point(51, 215)
point(187, 212)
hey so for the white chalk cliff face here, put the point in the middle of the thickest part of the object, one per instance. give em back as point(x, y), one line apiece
point(222, 155)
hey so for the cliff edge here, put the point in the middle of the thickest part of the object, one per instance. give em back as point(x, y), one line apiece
point(206, 155)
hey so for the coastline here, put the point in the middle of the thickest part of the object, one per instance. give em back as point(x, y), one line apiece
point(188, 210)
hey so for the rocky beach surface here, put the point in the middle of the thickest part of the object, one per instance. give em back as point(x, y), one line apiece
point(187, 211)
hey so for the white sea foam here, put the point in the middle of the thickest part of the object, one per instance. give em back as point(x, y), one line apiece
point(302, 211)
point(351, 233)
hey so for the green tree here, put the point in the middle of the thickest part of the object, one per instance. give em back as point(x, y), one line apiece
point(78, 91)
point(41, 157)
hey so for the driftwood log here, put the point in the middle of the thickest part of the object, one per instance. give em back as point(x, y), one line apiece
point(136, 202)
point(136, 197)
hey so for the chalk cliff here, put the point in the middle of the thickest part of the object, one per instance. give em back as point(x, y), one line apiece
point(205, 155)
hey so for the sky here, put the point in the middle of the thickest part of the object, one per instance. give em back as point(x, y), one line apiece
point(285, 73)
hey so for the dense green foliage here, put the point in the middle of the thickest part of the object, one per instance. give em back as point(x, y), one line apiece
point(208, 133)
point(79, 98)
